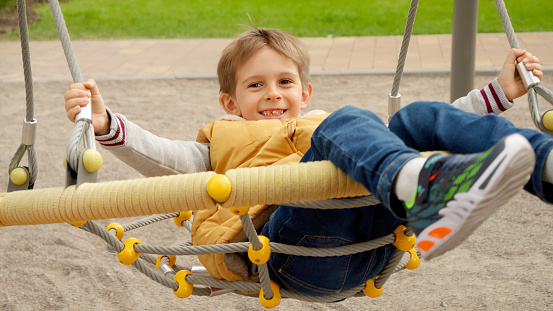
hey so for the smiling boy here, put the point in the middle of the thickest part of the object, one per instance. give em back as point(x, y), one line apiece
point(264, 84)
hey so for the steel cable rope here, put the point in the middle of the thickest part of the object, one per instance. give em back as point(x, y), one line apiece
point(29, 130)
point(531, 82)
point(83, 128)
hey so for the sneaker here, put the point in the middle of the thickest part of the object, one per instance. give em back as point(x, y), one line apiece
point(456, 193)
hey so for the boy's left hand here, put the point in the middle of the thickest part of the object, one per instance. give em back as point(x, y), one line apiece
point(509, 79)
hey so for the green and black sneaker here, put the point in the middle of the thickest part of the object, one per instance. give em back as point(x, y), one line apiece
point(456, 193)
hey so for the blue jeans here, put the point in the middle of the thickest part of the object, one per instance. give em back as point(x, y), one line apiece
point(460, 132)
point(360, 144)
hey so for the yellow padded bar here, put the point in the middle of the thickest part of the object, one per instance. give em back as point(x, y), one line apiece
point(290, 183)
point(114, 199)
point(168, 194)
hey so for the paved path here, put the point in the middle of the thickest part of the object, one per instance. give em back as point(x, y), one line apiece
point(181, 58)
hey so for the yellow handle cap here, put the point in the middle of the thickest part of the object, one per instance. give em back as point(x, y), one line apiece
point(547, 120)
point(18, 176)
point(92, 160)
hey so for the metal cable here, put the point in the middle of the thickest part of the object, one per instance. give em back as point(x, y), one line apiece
point(506, 22)
point(148, 221)
point(29, 95)
point(404, 46)
point(535, 87)
point(337, 203)
point(82, 128)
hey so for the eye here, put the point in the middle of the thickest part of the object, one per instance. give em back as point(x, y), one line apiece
point(256, 84)
point(286, 81)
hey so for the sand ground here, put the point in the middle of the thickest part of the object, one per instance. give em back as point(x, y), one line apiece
point(505, 265)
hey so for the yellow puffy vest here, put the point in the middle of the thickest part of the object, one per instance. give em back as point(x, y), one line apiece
point(237, 144)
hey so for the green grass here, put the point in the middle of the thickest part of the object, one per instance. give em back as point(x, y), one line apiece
point(223, 18)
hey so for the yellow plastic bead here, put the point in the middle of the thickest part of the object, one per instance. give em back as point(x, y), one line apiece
point(547, 120)
point(240, 210)
point(172, 260)
point(78, 223)
point(128, 255)
point(273, 302)
point(262, 255)
point(119, 230)
point(371, 290)
point(219, 187)
point(92, 160)
point(403, 242)
point(182, 217)
point(185, 288)
point(18, 176)
point(414, 261)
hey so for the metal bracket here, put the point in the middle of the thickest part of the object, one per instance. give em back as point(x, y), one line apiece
point(81, 176)
point(394, 103)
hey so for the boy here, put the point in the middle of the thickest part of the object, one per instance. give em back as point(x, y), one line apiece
point(264, 80)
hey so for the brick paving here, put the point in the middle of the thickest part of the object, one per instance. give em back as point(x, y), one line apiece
point(181, 58)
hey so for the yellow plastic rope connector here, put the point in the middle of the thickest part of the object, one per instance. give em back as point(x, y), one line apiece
point(371, 290)
point(219, 187)
point(18, 176)
point(547, 120)
point(92, 160)
point(414, 262)
point(172, 260)
point(78, 223)
point(273, 302)
point(128, 255)
point(403, 242)
point(241, 210)
point(262, 255)
point(185, 288)
point(182, 217)
point(119, 230)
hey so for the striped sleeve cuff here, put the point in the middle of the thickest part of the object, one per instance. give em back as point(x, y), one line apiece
point(117, 132)
point(493, 98)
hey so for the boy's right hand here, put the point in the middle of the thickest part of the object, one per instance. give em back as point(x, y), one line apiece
point(78, 95)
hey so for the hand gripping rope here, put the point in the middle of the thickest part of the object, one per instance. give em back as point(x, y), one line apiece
point(532, 83)
point(82, 165)
point(543, 122)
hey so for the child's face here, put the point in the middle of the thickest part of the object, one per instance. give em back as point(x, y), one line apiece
point(268, 87)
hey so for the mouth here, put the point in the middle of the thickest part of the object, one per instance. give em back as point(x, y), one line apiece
point(275, 113)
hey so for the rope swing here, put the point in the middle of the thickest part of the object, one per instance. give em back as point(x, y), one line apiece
point(176, 197)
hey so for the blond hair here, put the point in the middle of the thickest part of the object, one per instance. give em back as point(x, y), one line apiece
point(245, 45)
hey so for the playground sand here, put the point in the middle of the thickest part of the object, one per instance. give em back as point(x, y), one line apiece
point(504, 265)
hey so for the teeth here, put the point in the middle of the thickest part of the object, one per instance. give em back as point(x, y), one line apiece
point(272, 113)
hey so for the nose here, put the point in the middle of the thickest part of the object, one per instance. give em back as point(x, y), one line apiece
point(272, 94)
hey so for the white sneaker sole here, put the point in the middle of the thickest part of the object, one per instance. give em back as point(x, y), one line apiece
point(461, 216)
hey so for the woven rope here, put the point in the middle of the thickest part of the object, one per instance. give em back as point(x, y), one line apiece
point(82, 129)
point(404, 46)
point(32, 158)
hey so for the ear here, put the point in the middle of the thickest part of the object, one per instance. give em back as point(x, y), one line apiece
point(228, 104)
point(306, 96)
